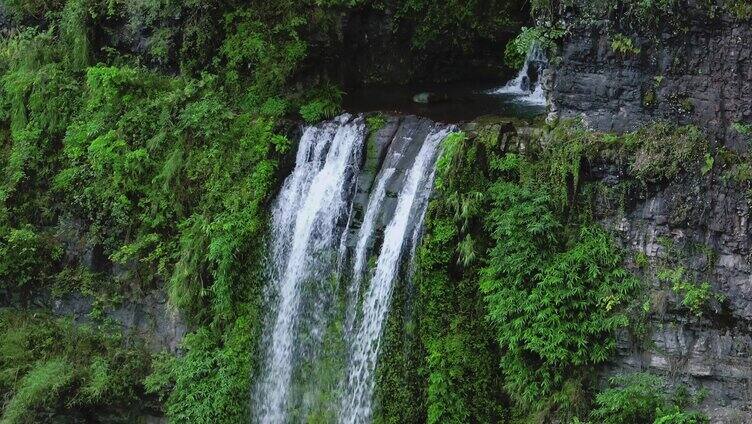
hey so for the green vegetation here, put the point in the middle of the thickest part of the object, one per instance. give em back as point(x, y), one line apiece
point(553, 286)
point(141, 143)
point(49, 365)
point(662, 151)
point(146, 137)
point(457, 22)
point(509, 241)
point(742, 128)
point(545, 37)
point(695, 296)
point(742, 9)
point(642, 398)
point(624, 45)
point(637, 15)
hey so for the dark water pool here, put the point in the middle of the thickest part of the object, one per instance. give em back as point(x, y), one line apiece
point(463, 102)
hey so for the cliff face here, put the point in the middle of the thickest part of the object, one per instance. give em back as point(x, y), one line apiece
point(701, 75)
point(701, 227)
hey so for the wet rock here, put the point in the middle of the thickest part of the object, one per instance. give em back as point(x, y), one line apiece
point(430, 98)
point(399, 141)
point(149, 318)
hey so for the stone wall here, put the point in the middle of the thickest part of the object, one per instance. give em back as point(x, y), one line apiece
point(701, 73)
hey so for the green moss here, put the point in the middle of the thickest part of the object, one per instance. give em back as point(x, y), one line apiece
point(742, 128)
point(662, 151)
point(648, 98)
point(742, 9)
point(641, 260)
point(375, 123)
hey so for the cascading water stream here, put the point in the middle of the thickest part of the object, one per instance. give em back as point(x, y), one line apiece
point(527, 84)
point(305, 216)
point(411, 204)
point(318, 240)
point(365, 236)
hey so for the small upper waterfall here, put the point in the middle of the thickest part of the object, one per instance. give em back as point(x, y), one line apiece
point(527, 84)
point(344, 227)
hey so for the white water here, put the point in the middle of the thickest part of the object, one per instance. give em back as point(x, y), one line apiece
point(305, 216)
point(411, 204)
point(521, 87)
point(310, 217)
point(365, 236)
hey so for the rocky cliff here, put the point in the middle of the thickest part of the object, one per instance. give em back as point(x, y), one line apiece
point(700, 74)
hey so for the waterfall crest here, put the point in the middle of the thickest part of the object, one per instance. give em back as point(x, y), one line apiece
point(344, 228)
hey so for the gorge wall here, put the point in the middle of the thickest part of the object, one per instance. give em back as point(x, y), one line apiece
point(700, 74)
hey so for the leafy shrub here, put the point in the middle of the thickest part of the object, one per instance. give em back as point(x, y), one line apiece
point(211, 382)
point(641, 398)
point(739, 172)
point(375, 122)
point(695, 296)
point(676, 416)
point(455, 21)
point(318, 110)
point(325, 104)
point(49, 365)
point(26, 260)
point(21, 9)
point(553, 310)
point(742, 9)
point(39, 388)
point(459, 374)
point(623, 45)
point(631, 399)
point(550, 282)
point(742, 128)
point(518, 48)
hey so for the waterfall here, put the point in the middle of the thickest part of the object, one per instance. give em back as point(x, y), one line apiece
point(305, 216)
point(411, 204)
point(365, 236)
point(335, 221)
point(527, 84)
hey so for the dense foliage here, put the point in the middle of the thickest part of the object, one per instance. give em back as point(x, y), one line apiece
point(51, 364)
point(140, 144)
point(643, 398)
point(552, 283)
point(519, 292)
